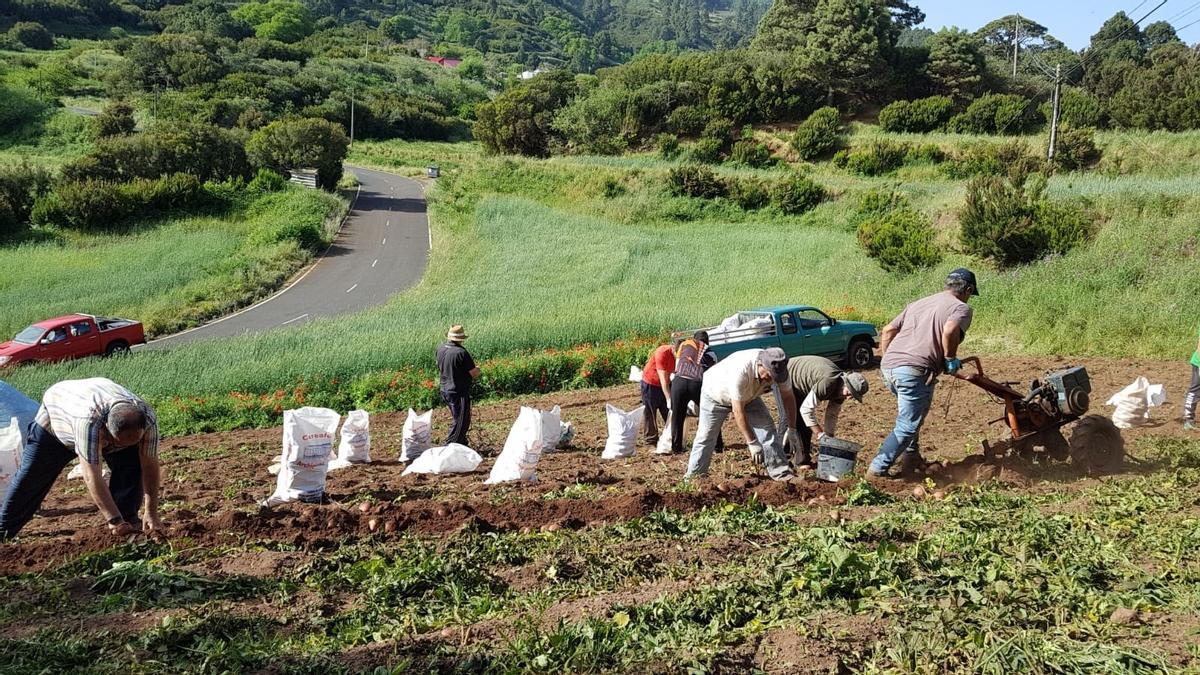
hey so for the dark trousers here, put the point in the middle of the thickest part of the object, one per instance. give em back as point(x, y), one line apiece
point(806, 440)
point(1193, 393)
point(654, 403)
point(460, 410)
point(41, 463)
point(684, 391)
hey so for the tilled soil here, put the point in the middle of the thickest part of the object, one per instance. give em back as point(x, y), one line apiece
point(212, 483)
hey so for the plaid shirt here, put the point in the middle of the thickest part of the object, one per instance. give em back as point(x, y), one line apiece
point(76, 411)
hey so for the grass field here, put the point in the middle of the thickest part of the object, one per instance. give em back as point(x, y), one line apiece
point(532, 254)
point(170, 273)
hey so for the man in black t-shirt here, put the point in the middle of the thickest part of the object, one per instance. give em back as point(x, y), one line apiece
point(457, 369)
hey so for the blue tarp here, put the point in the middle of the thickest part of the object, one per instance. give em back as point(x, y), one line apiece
point(15, 404)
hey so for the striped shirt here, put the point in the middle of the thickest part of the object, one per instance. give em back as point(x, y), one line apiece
point(76, 412)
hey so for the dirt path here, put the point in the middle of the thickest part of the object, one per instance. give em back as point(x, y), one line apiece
point(213, 482)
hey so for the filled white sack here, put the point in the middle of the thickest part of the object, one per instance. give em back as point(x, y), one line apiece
point(635, 374)
point(664, 439)
point(551, 429)
point(453, 458)
point(10, 452)
point(355, 446)
point(1133, 403)
point(622, 431)
point(308, 435)
point(417, 435)
point(522, 449)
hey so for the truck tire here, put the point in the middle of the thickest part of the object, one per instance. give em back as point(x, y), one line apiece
point(117, 348)
point(860, 354)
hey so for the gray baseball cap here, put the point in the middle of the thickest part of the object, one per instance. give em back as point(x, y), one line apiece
point(857, 384)
point(775, 361)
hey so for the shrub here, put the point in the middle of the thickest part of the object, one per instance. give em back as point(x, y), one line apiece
point(796, 194)
point(719, 129)
point(686, 120)
point(19, 107)
point(750, 194)
point(992, 160)
point(925, 153)
point(99, 205)
point(901, 241)
point(20, 187)
point(1075, 148)
point(204, 151)
point(751, 153)
point(1008, 221)
point(1077, 108)
point(300, 143)
point(266, 180)
point(115, 120)
point(818, 135)
point(693, 180)
point(32, 34)
point(706, 150)
point(667, 145)
point(919, 116)
point(613, 187)
point(874, 159)
point(994, 114)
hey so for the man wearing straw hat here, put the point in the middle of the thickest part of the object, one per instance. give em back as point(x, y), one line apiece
point(457, 370)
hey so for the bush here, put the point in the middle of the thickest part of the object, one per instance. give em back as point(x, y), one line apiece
point(115, 120)
point(204, 151)
point(706, 150)
point(32, 34)
point(667, 145)
point(20, 187)
point(994, 114)
point(919, 116)
point(925, 153)
point(1008, 221)
point(98, 205)
point(874, 159)
point(992, 160)
point(19, 107)
point(751, 153)
point(901, 241)
point(1077, 108)
point(301, 143)
point(719, 129)
point(750, 194)
point(266, 180)
point(796, 194)
point(686, 120)
point(1075, 148)
point(818, 135)
point(693, 180)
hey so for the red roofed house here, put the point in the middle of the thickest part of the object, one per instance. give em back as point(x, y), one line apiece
point(444, 61)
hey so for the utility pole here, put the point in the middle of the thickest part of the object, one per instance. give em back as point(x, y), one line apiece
point(352, 118)
point(1016, 43)
point(1054, 113)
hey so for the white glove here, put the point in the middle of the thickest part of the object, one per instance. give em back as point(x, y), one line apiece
point(820, 436)
point(668, 405)
point(756, 452)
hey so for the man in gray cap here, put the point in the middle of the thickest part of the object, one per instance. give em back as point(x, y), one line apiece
point(816, 379)
point(736, 385)
point(94, 419)
point(917, 346)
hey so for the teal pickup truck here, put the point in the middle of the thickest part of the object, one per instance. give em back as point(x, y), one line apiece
point(800, 330)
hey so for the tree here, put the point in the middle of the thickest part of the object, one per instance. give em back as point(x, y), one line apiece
point(1164, 96)
point(519, 121)
point(283, 20)
point(784, 27)
point(298, 144)
point(115, 120)
point(997, 35)
point(848, 45)
point(207, 16)
point(399, 27)
point(956, 64)
point(1160, 33)
point(1116, 50)
point(32, 34)
point(905, 15)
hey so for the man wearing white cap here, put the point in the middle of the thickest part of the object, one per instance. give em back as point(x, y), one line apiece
point(735, 386)
point(93, 419)
point(457, 370)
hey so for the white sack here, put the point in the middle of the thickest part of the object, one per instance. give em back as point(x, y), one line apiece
point(566, 433)
point(664, 439)
point(308, 434)
point(417, 432)
point(1133, 403)
point(551, 429)
point(453, 458)
point(355, 446)
point(10, 452)
point(635, 374)
point(522, 449)
point(15, 404)
point(622, 431)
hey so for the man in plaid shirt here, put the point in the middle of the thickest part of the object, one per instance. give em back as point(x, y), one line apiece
point(90, 419)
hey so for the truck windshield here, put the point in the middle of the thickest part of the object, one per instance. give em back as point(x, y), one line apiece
point(29, 336)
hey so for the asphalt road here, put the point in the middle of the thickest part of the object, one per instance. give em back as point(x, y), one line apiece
point(382, 248)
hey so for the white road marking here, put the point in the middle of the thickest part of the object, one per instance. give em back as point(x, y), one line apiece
point(293, 320)
point(388, 223)
point(352, 288)
point(384, 242)
point(375, 262)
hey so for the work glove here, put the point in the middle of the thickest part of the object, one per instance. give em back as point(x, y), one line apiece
point(668, 405)
point(756, 452)
point(952, 366)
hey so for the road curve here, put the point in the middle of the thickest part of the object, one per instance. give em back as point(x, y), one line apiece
point(382, 248)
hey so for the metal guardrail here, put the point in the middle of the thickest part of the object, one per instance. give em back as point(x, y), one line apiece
point(305, 177)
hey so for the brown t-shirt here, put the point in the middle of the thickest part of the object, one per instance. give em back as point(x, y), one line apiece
point(919, 342)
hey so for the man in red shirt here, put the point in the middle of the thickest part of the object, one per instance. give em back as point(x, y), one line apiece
point(656, 390)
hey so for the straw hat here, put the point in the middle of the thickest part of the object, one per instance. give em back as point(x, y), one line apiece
point(456, 333)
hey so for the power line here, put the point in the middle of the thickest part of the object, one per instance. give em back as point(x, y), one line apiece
point(1095, 50)
point(1182, 13)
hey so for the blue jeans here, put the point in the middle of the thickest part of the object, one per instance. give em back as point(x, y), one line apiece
point(44, 459)
point(708, 430)
point(914, 394)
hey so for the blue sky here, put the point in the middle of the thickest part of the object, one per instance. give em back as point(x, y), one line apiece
point(1073, 22)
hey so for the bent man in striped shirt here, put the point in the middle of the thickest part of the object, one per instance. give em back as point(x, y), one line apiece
point(92, 419)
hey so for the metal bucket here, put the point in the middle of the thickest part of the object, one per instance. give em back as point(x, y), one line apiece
point(836, 458)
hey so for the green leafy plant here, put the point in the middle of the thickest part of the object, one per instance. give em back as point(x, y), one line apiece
point(819, 135)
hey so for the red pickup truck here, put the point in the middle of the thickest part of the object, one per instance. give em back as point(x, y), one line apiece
point(71, 337)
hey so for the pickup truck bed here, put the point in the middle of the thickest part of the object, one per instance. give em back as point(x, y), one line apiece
point(800, 330)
